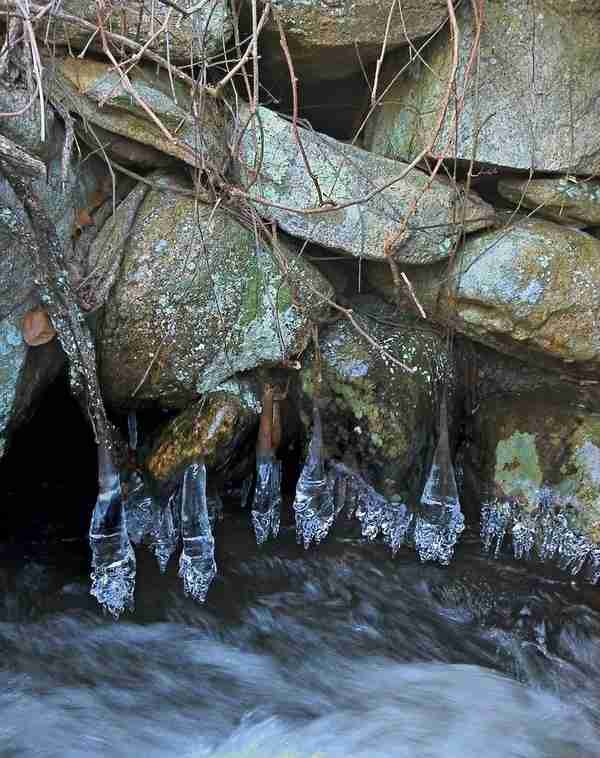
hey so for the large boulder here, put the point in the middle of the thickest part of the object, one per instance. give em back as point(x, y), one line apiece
point(531, 101)
point(529, 291)
point(565, 200)
point(199, 298)
point(373, 219)
point(94, 92)
point(380, 419)
point(329, 40)
point(185, 39)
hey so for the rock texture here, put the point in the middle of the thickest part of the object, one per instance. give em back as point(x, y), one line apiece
point(213, 428)
point(379, 419)
point(183, 39)
point(198, 299)
point(94, 92)
point(533, 447)
point(565, 200)
point(345, 175)
point(533, 103)
point(531, 290)
point(328, 40)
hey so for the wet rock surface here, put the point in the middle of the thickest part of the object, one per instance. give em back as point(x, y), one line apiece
point(197, 300)
point(533, 102)
point(530, 448)
point(213, 428)
point(377, 417)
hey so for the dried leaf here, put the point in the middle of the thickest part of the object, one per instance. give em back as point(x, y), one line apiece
point(37, 329)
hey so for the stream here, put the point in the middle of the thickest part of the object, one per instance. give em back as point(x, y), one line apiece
point(341, 650)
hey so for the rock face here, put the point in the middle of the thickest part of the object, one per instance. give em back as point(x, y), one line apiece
point(566, 201)
point(531, 290)
point(213, 428)
point(94, 92)
point(197, 300)
point(326, 38)
point(377, 418)
point(346, 174)
point(533, 104)
point(191, 39)
point(536, 445)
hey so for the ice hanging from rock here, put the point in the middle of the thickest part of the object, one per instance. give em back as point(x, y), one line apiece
point(543, 531)
point(266, 504)
point(197, 565)
point(132, 429)
point(113, 559)
point(164, 534)
point(314, 506)
point(439, 521)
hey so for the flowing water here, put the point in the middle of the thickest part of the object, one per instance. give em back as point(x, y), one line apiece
point(341, 650)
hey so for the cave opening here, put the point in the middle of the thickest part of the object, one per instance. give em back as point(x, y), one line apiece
point(48, 474)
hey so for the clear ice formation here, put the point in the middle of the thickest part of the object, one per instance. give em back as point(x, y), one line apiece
point(378, 516)
point(314, 503)
point(164, 535)
point(543, 532)
point(132, 429)
point(266, 505)
point(150, 521)
point(197, 565)
point(140, 509)
point(439, 521)
point(113, 559)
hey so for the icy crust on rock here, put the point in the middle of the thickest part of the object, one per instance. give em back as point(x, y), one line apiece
point(378, 516)
point(544, 532)
point(113, 559)
point(197, 565)
point(313, 503)
point(266, 506)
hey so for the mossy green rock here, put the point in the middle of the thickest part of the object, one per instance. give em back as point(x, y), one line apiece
point(523, 445)
point(184, 39)
point(533, 101)
point(328, 40)
point(347, 174)
point(564, 200)
point(94, 91)
point(212, 428)
point(532, 291)
point(378, 418)
point(198, 299)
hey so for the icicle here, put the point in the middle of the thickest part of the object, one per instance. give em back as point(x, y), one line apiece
point(592, 571)
point(164, 535)
point(197, 565)
point(266, 505)
point(313, 505)
point(215, 508)
point(245, 490)
point(113, 559)
point(523, 535)
point(496, 521)
point(573, 551)
point(133, 430)
point(440, 521)
point(140, 509)
point(394, 525)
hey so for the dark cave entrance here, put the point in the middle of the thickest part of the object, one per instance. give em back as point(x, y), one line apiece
point(48, 475)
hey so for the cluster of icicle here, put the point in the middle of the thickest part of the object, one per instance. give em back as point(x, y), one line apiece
point(324, 490)
point(143, 517)
point(542, 532)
